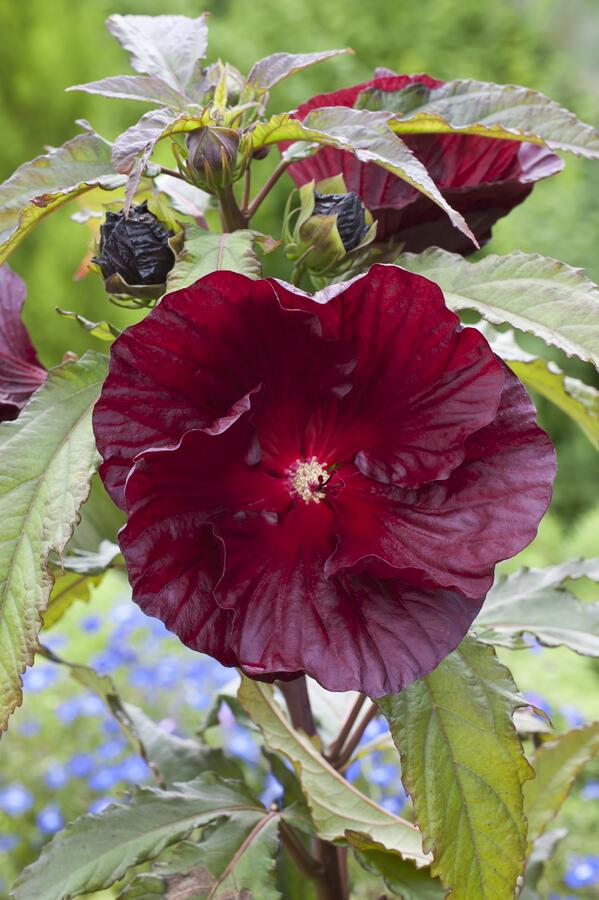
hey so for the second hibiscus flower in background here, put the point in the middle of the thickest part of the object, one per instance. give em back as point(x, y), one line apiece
point(483, 178)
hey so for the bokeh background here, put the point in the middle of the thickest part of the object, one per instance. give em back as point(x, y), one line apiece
point(61, 756)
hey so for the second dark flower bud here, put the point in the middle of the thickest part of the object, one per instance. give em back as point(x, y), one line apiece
point(135, 254)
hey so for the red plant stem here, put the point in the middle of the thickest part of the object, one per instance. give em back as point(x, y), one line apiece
point(266, 189)
point(247, 181)
point(337, 745)
point(164, 170)
point(231, 216)
point(298, 703)
point(334, 883)
point(354, 740)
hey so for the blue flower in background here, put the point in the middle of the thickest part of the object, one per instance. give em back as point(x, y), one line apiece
point(8, 842)
point(539, 702)
point(168, 671)
point(56, 642)
point(384, 775)
point(354, 771)
point(273, 790)
point(98, 805)
point(590, 791)
point(125, 612)
point(239, 742)
point(40, 677)
point(15, 799)
point(91, 623)
point(393, 804)
point(30, 727)
point(142, 677)
point(80, 765)
point(56, 776)
point(111, 749)
point(112, 658)
point(50, 819)
point(374, 729)
point(105, 779)
point(196, 696)
point(572, 715)
point(68, 710)
point(582, 872)
point(91, 705)
point(133, 769)
point(109, 726)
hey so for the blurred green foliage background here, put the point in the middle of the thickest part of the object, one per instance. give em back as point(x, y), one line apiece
point(47, 45)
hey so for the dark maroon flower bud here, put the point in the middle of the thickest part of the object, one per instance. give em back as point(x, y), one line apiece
point(212, 156)
point(351, 221)
point(261, 153)
point(134, 250)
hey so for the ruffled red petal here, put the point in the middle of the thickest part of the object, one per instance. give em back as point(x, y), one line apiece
point(421, 383)
point(21, 372)
point(349, 633)
point(192, 359)
point(453, 532)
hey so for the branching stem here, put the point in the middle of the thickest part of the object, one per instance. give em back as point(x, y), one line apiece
point(348, 750)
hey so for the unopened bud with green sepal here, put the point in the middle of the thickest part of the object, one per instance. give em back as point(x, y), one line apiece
point(212, 157)
point(326, 226)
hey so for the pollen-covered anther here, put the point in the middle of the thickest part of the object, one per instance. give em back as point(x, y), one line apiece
point(307, 478)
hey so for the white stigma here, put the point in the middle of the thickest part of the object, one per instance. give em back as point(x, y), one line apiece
point(307, 478)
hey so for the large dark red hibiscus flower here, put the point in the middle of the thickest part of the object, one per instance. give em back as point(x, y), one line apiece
point(21, 372)
point(318, 484)
point(482, 178)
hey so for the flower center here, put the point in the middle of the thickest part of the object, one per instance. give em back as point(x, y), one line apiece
point(308, 478)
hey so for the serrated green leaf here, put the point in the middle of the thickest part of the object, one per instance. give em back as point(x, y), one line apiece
point(269, 71)
point(147, 88)
point(504, 111)
point(236, 853)
point(104, 331)
point(363, 133)
point(186, 198)
point(533, 293)
point(95, 851)
point(177, 759)
point(400, 876)
point(240, 854)
point(537, 602)
point(463, 766)
point(578, 400)
point(168, 47)
point(47, 458)
point(39, 187)
point(206, 251)
point(100, 521)
point(133, 148)
point(556, 765)
point(68, 588)
point(338, 809)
